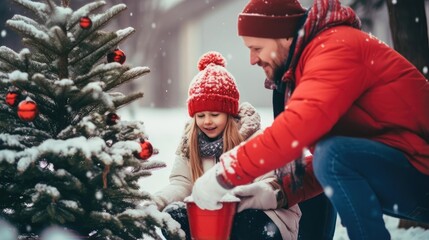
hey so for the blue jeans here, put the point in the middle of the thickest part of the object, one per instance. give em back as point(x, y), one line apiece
point(365, 179)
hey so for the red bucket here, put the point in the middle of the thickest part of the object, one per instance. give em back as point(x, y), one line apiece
point(211, 224)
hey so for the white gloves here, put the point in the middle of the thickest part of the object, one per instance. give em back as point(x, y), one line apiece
point(207, 192)
point(257, 195)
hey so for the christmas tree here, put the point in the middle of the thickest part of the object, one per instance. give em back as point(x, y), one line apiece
point(66, 157)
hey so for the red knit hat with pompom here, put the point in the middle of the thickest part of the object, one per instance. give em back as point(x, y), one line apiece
point(213, 88)
point(270, 18)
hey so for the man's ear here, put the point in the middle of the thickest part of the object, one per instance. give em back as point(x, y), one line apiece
point(286, 42)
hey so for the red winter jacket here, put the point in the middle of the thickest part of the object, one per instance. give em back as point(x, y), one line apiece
point(347, 83)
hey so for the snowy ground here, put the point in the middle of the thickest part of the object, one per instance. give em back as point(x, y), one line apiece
point(164, 127)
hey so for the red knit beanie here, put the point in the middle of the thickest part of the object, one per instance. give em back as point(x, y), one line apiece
point(213, 88)
point(270, 18)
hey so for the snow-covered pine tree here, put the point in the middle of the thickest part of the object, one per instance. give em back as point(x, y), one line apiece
point(65, 158)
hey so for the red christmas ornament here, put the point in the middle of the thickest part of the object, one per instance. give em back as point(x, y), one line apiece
point(112, 118)
point(147, 150)
point(116, 56)
point(27, 110)
point(12, 98)
point(85, 22)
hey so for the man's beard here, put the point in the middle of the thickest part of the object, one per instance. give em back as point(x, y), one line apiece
point(279, 71)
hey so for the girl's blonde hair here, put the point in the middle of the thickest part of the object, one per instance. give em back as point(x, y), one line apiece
point(231, 138)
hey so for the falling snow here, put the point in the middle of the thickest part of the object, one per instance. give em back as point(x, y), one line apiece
point(159, 127)
point(99, 195)
point(328, 191)
point(395, 207)
point(295, 144)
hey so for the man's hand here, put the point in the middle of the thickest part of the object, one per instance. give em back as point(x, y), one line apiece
point(207, 192)
point(257, 195)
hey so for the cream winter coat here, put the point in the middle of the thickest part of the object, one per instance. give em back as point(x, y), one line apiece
point(181, 182)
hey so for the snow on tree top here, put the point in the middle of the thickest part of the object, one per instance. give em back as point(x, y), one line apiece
point(61, 15)
point(43, 188)
point(18, 75)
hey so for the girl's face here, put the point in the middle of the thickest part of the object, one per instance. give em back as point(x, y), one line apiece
point(211, 123)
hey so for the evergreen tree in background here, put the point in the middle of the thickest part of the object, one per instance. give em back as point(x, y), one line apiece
point(66, 159)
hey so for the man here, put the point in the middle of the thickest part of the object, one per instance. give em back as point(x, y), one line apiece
point(355, 103)
point(318, 216)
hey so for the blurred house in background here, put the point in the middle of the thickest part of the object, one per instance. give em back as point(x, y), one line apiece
point(172, 34)
point(188, 29)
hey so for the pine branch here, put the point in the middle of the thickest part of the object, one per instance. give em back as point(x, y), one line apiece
point(98, 21)
point(82, 12)
point(95, 42)
point(29, 31)
point(100, 72)
point(9, 56)
point(126, 77)
point(86, 61)
point(127, 99)
point(38, 9)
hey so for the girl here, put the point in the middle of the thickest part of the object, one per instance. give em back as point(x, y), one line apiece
point(218, 124)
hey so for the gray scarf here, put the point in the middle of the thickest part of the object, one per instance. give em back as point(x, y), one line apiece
point(209, 147)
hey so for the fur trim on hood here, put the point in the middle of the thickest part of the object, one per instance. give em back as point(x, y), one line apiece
point(248, 121)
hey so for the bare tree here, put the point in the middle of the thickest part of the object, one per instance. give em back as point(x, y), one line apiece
point(409, 31)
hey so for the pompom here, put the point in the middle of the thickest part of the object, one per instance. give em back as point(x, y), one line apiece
point(211, 57)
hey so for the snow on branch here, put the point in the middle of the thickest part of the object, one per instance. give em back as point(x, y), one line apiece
point(59, 38)
point(27, 20)
point(32, 32)
point(11, 140)
point(65, 88)
point(8, 156)
point(9, 56)
point(99, 72)
point(127, 99)
point(60, 15)
point(121, 150)
point(95, 42)
point(127, 76)
point(104, 217)
point(68, 148)
point(98, 21)
point(39, 9)
point(84, 11)
point(134, 73)
point(82, 62)
point(17, 75)
point(43, 189)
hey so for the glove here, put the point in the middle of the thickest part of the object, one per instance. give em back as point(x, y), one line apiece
point(207, 191)
point(257, 195)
